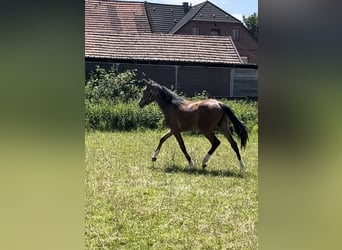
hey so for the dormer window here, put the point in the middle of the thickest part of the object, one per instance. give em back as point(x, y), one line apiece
point(235, 34)
point(195, 31)
point(215, 32)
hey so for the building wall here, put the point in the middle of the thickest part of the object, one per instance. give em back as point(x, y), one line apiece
point(220, 82)
point(188, 80)
point(244, 83)
point(246, 44)
point(163, 74)
point(214, 80)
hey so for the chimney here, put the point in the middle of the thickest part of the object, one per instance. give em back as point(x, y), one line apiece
point(186, 7)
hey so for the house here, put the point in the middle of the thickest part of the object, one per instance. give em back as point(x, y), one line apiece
point(186, 63)
point(144, 17)
point(175, 45)
point(202, 19)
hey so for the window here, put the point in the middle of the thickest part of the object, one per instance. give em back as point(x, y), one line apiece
point(215, 32)
point(195, 31)
point(235, 34)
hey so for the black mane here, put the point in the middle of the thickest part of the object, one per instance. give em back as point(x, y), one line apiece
point(167, 95)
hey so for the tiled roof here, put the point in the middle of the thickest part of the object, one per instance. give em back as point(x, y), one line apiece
point(116, 16)
point(192, 12)
point(144, 17)
point(161, 47)
point(205, 11)
point(210, 12)
point(163, 17)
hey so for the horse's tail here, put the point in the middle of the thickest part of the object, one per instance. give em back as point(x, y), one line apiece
point(239, 127)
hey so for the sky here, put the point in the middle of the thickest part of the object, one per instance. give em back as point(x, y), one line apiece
point(236, 8)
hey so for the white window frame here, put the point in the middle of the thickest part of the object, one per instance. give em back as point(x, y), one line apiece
point(235, 34)
point(195, 30)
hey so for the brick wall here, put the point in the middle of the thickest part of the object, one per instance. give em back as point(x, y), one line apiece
point(246, 45)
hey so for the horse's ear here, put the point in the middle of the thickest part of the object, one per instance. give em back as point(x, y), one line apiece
point(146, 82)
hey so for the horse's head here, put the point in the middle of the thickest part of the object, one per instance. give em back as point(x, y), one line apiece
point(148, 95)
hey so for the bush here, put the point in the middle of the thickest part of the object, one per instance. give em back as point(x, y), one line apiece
point(246, 111)
point(128, 116)
point(112, 86)
point(111, 103)
point(122, 116)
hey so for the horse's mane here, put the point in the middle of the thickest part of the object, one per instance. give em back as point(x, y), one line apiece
point(167, 95)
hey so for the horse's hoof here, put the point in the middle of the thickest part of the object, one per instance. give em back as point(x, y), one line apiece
point(242, 165)
point(191, 163)
point(243, 172)
point(154, 158)
point(204, 166)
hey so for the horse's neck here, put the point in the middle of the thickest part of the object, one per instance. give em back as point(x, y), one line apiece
point(165, 107)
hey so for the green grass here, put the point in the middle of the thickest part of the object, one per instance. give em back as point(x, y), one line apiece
point(132, 203)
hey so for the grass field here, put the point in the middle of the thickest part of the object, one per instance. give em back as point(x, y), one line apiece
point(132, 203)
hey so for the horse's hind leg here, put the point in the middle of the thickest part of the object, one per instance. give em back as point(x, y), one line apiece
point(227, 133)
point(214, 144)
point(162, 140)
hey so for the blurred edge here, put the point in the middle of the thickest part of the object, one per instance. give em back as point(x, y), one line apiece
point(300, 125)
point(42, 140)
point(42, 132)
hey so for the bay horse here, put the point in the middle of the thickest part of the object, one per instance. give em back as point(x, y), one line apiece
point(204, 116)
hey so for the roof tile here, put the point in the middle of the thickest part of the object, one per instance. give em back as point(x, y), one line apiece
point(163, 17)
point(116, 16)
point(161, 47)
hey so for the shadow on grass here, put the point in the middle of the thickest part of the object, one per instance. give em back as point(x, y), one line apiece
point(173, 168)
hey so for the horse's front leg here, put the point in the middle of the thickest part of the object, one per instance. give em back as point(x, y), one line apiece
point(182, 146)
point(162, 140)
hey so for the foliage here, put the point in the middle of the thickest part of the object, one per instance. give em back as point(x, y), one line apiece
point(131, 203)
point(105, 116)
point(252, 24)
point(111, 104)
point(111, 86)
point(246, 111)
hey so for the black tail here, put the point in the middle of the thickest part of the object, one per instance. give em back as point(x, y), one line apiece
point(239, 127)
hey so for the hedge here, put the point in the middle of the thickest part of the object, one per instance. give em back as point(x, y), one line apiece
point(106, 116)
point(111, 103)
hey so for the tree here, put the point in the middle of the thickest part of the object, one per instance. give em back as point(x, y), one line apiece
point(251, 23)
